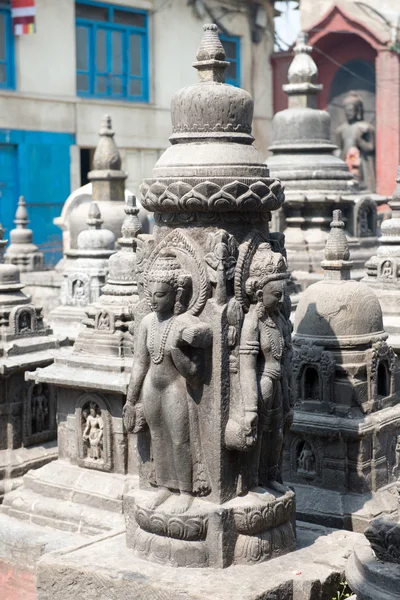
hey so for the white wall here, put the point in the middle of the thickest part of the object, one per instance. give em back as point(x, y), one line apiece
point(46, 100)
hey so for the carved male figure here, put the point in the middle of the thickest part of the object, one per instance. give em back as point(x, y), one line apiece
point(355, 136)
point(40, 409)
point(168, 371)
point(93, 433)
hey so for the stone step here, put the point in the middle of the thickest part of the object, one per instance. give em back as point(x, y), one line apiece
point(24, 504)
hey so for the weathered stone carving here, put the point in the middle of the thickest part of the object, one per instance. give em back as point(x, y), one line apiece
point(383, 270)
point(356, 140)
point(208, 396)
point(316, 180)
point(85, 273)
point(27, 412)
point(346, 399)
point(373, 570)
point(22, 252)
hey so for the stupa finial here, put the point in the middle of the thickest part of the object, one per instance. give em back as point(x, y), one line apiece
point(211, 63)
point(3, 244)
point(337, 263)
point(94, 220)
point(302, 75)
point(21, 215)
point(106, 156)
point(131, 225)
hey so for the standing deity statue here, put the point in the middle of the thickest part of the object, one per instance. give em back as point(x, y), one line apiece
point(264, 354)
point(356, 141)
point(167, 376)
point(40, 409)
point(93, 433)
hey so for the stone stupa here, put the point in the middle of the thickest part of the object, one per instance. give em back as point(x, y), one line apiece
point(316, 181)
point(342, 453)
point(27, 409)
point(383, 270)
point(85, 274)
point(22, 252)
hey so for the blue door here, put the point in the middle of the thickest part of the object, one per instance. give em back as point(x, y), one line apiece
point(8, 186)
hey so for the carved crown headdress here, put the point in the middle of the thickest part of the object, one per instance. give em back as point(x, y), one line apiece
point(167, 269)
point(266, 266)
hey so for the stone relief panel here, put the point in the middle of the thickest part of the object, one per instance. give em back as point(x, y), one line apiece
point(313, 374)
point(24, 319)
point(387, 269)
point(76, 290)
point(39, 416)
point(104, 321)
point(94, 433)
point(366, 218)
point(305, 459)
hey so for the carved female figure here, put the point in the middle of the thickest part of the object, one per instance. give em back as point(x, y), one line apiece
point(93, 432)
point(262, 348)
point(168, 370)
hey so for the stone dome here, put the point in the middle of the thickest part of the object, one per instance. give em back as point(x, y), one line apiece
point(338, 310)
point(95, 238)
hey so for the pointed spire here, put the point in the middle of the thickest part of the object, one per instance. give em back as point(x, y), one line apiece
point(131, 225)
point(3, 244)
point(94, 220)
point(106, 155)
point(21, 215)
point(211, 63)
point(302, 75)
point(337, 254)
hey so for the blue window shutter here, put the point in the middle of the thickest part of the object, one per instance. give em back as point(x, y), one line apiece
point(116, 49)
point(7, 66)
point(232, 48)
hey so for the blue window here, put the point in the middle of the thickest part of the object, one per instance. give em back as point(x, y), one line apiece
point(232, 50)
point(111, 52)
point(6, 47)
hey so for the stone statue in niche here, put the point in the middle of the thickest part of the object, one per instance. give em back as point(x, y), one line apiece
point(387, 269)
point(264, 348)
point(357, 138)
point(93, 431)
point(167, 377)
point(306, 461)
point(78, 292)
point(103, 320)
point(40, 409)
point(24, 322)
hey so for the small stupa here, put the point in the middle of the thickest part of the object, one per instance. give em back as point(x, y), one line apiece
point(316, 181)
point(383, 270)
point(85, 273)
point(28, 410)
point(22, 252)
point(342, 453)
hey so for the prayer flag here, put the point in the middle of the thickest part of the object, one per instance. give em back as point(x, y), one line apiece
point(23, 14)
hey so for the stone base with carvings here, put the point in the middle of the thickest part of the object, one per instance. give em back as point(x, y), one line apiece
point(247, 530)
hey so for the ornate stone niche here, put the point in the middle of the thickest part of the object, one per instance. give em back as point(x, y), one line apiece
point(24, 319)
point(77, 290)
point(365, 216)
point(94, 433)
point(39, 420)
point(381, 371)
point(313, 373)
point(104, 320)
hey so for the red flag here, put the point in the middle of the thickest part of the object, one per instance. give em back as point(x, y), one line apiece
point(23, 14)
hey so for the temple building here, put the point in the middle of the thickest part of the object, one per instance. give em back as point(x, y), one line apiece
point(28, 428)
point(342, 452)
point(316, 180)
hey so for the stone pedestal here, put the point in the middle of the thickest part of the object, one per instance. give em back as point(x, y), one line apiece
point(373, 571)
point(103, 569)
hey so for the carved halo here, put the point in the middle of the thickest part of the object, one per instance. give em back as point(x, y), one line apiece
point(188, 255)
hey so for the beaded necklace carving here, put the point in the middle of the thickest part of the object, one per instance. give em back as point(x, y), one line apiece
point(268, 323)
point(159, 357)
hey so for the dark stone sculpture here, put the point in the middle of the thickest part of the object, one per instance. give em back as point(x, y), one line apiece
point(208, 398)
point(341, 453)
point(356, 141)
